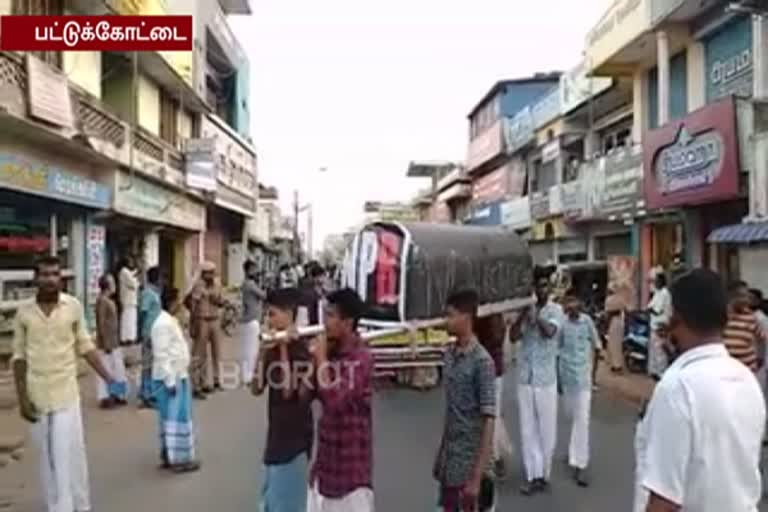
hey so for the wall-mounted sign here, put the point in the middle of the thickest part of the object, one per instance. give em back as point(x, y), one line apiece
point(143, 199)
point(486, 215)
point(48, 90)
point(547, 108)
point(235, 159)
point(613, 185)
point(624, 21)
point(516, 213)
point(519, 130)
point(694, 160)
point(96, 243)
point(551, 151)
point(200, 163)
point(729, 60)
point(576, 87)
point(572, 199)
point(486, 146)
point(236, 201)
point(27, 175)
point(490, 187)
point(540, 207)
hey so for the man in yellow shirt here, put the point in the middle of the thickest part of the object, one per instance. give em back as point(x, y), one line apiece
point(49, 333)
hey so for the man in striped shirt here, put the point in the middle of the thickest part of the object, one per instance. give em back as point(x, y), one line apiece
point(743, 333)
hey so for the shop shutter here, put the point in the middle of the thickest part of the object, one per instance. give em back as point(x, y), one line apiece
point(613, 245)
point(542, 252)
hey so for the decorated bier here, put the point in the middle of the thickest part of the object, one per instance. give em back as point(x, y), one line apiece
point(406, 272)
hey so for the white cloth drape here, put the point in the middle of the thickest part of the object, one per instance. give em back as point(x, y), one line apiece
point(63, 464)
point(249, 349)
point(360, 500)
point(129, 323)
point(578, 404)
point(538, 428)
point(115, 365)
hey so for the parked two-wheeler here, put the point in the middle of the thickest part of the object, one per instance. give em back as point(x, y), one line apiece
point(637, 337)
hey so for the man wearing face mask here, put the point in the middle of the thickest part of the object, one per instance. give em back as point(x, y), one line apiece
point(699, 441)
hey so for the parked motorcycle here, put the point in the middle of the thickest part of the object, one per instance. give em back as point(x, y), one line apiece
point(637, 336)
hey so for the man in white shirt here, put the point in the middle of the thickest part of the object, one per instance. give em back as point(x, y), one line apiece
point(129, 300)
point(699, 442)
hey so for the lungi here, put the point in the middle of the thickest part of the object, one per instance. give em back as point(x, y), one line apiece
point(177, 433)
point(285, 486)
point(249, 349)
point(129, 324)
point(115, 365)
point(63, 463)
point(657, 356)
point(538, 428)
point(359, 500)
point(146, 393)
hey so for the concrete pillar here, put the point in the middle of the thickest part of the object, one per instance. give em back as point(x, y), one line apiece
point(760, 55)
point(640, 116)
point(591, 144)
point(697, 76)
point(662, 44)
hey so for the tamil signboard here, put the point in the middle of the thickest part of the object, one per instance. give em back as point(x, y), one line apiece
point(540, 208)
point(48, 94)
point(624, 22)
point(572, 199)
point(516, 213)
point(144, 199)
point(486, 215)
point(729, 62)
point(520, 130)
point(694, 160)
point(490, 187)
point(613, 185)
point(486, 146)
point(200, 163)
point(576, 87)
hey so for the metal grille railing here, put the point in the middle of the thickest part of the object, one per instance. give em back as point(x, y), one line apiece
point(145, 144)
point(12, 72)
point(95, 122)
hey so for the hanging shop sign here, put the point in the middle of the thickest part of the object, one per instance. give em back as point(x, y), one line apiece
point(143, 199)
point(694, 160)
point(613, 185)
point(235, 201)
point(200, 164)
point(48, 94)
point(234, 157)
point(729, 61)
point(576, 87)
point(519, 130)
point(35, 177)
point(486, 146)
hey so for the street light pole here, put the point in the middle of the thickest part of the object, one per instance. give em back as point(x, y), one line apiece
point(296, 240)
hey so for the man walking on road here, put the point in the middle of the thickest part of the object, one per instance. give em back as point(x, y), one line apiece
point(129, 296)
point(49, 332)
point(107, 341)
point(463, 462)
point(341, 478)
point(204, 304)
point(250, 326)
point(151, 308)
point(701, 437)
point(285, 371)
point(579, 341)
point(537, 327)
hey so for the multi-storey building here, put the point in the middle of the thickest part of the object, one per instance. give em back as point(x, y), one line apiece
point(109, 153)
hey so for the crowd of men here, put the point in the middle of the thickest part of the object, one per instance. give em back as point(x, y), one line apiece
point(698, 442)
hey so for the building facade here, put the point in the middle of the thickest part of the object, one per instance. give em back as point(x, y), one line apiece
point(106, 154)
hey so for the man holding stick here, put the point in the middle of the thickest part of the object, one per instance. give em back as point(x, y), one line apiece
point(537, 327)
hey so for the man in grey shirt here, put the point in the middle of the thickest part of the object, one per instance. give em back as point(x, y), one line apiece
point(462, 466)
point(250, 327)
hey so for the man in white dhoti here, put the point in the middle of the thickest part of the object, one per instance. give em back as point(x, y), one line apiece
point(49, 333)
point(578, 343)
point(250, 326)
point(129, 302)
point(537, 328)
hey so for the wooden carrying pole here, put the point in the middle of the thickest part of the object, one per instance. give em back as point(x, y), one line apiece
point(395, 329)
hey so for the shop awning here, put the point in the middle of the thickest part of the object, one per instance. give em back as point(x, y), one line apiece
point(744, 233)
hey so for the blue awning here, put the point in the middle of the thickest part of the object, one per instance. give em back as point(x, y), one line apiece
point(744, 233)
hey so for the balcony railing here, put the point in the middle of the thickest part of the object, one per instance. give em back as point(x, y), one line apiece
point(106, 132)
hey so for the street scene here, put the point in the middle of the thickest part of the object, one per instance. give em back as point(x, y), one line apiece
point(351, 256)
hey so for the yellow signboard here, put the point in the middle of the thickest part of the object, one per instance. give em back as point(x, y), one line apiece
point(181, 63)
point(624, 22)
point(140, 7)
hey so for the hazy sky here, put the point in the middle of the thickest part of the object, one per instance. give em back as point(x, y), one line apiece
point(361, 87)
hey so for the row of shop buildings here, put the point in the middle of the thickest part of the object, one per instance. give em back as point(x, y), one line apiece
point(652, 148)
point(105, 155)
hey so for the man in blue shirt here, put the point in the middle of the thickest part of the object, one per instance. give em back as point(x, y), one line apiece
point(537, 328)
point(150, 308)
point(578, 342)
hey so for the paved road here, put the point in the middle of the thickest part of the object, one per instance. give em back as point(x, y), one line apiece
point(122, 453)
